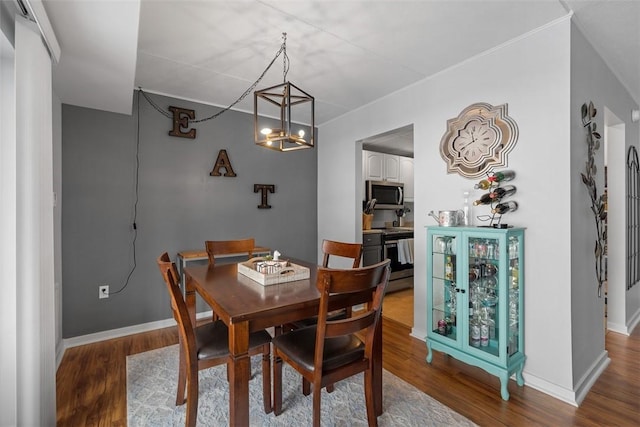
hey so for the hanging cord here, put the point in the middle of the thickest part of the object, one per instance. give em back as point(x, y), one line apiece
point(135, 203)
point(285, 58)
point(283, 49)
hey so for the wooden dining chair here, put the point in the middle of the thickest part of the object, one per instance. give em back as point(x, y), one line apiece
point(206, 345)
point(333, 350)
point(225, 247)
point(341, 249)
point(216, 248)
point(332, 248)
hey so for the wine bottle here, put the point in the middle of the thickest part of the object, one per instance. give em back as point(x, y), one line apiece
point(505, 175)
point(474, 332)
point(502, 208)
point(483, 185)
point(467, 210)
point(500, 192)
point(448, 271)
point(485, 199)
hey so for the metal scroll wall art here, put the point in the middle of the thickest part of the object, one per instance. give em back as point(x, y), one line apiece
point(478, 140)
point(598, 202)
point(633, 218)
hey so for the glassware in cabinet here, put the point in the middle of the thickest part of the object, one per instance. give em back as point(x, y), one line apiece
point(483, 315)
point(444, 301)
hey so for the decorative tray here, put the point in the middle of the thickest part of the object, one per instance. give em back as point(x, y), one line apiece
point(272, 272)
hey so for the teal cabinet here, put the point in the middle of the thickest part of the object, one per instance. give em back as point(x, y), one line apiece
point(475, 298)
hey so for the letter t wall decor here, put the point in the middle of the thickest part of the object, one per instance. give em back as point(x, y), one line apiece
point(264, 189)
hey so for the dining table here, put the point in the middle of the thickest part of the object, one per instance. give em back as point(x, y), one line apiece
point(245, 306)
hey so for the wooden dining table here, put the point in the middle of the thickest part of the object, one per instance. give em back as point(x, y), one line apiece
point(245, 306)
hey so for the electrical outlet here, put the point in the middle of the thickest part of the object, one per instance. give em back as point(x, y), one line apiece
point(103, 291)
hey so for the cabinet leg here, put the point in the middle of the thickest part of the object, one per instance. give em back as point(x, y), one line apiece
point(504, 382)
point(519, 377)
point(429, 353)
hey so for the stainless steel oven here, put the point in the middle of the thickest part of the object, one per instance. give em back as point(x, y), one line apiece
point(395, 248)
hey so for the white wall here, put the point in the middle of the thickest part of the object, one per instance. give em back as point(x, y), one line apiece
point(592, 80)
point(531, 75)
point(57, 222)
point(35, 364)
point(614, 136)
point(8, 327)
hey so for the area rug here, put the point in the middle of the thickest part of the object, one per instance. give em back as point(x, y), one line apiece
point(151, 389)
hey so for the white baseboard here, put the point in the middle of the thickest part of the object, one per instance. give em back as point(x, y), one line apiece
point(59, 353)
point(549, 388)
point(616, 327)
point(591, 376)
point(419, 334)
point(572, 397)
point(634, 321)
point(117, 333)
point(625, 329)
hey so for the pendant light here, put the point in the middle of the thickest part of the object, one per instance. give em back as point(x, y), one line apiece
point(284, 114)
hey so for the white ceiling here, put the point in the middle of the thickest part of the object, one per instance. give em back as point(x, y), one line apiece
point(345, 53)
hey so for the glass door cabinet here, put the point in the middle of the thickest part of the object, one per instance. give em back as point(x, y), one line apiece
point(475, 292)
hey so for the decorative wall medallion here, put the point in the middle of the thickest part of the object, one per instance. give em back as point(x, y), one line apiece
point(478, 140)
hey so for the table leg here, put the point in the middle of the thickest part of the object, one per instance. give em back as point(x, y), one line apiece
point(190, 299)
point(239, 372)
point(377, 368)
point(182, 263)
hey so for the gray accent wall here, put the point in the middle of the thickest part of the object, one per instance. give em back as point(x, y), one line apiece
point(179, 205)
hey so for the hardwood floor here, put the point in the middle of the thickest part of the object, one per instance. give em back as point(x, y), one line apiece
point(398, 306)
point(91, 383)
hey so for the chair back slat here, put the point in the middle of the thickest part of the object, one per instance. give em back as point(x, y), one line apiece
point(336, 328)
point(341, 249)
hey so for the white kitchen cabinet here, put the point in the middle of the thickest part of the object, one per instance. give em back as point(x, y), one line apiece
point(406, 177)
point(391, 168)
point(380, 166)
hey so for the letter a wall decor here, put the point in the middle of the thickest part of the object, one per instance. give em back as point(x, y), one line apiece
point(222, 162)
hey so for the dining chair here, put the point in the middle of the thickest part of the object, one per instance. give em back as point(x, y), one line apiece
point(216, 248)
point(333, 350)
point(205, 346)
point(332, 248)
point(225, 247)
point(341, 249)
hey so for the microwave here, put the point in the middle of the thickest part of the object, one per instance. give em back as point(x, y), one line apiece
point(388, 195)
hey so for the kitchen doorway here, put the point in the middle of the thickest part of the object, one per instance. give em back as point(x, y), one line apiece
point(397, 148)
point(398, 306)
